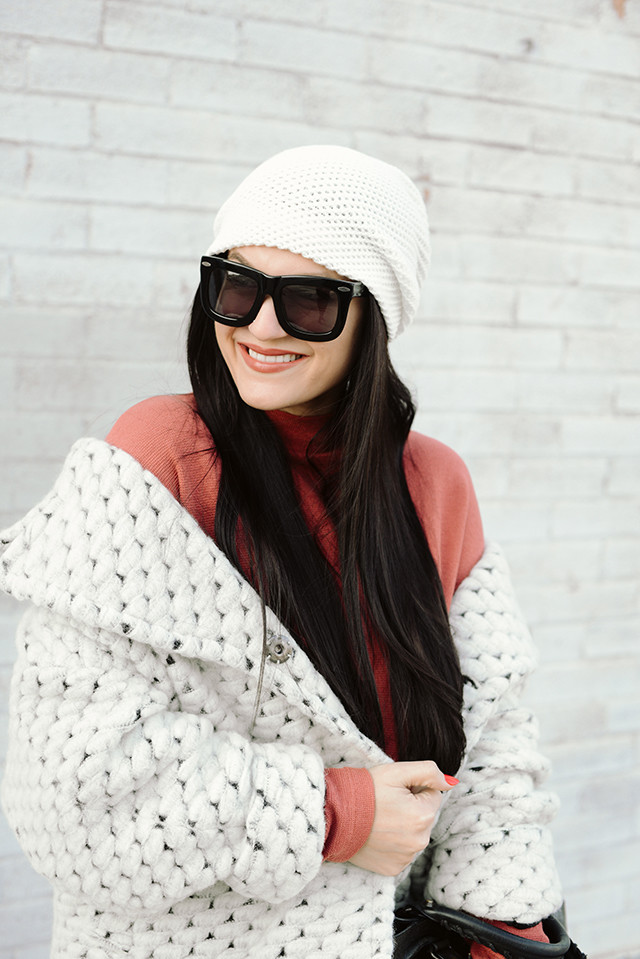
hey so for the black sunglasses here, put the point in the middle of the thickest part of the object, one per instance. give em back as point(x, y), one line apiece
point(307, 307)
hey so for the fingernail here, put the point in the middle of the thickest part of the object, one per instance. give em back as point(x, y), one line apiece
point(451, 780)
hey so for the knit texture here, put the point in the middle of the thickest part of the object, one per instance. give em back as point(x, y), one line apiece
point(134, 781)
point(346, 210)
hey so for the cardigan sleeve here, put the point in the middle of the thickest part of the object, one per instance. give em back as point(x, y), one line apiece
point(491, 852)
point(121, 798)
point(132, 779)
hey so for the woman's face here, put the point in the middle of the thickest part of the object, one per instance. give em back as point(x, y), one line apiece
point(275, 371)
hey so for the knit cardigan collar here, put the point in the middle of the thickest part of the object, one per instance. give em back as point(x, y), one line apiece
point(133, 576)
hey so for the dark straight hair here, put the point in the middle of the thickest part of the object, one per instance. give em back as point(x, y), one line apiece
point(391, 591)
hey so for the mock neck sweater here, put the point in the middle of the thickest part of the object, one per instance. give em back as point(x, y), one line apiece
point(166, 435)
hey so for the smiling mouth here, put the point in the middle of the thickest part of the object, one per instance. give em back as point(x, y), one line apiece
point(275, 358)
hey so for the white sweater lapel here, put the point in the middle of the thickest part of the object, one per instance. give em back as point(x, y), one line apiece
point(110, 547)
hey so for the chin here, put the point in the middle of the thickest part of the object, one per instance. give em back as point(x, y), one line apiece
point(267, 403)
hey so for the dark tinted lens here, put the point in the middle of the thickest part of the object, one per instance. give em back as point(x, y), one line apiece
point(310, 308)
point(231, 294)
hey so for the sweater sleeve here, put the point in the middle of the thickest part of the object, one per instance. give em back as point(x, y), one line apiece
point(166, 435)
point(532, 933)
point(349, 810)
point(444, 498)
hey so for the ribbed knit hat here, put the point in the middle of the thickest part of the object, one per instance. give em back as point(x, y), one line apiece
point(345, 210)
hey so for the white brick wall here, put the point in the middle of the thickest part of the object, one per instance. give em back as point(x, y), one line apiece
point(124, 125)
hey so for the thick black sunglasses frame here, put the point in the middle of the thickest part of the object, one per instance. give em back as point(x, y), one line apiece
point(273, 286)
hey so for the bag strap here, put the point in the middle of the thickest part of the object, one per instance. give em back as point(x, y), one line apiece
point(415, 937)
point(507, 944)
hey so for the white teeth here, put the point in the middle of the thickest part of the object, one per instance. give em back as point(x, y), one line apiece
point(277, 358)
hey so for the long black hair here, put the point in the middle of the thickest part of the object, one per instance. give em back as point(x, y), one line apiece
point(391, 590)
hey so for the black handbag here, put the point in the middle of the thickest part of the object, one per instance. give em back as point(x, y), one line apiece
point(430, 931)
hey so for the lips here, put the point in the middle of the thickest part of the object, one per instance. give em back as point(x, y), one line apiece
point(269, 361)
point(273, 357)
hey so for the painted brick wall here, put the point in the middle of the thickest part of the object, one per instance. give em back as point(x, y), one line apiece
point(122, 127)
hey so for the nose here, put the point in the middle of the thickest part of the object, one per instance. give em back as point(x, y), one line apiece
point(266, 325)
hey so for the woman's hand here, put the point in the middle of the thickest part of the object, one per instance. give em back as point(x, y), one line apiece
point(408, 796)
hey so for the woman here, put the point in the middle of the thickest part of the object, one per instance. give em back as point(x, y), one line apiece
point(249, 600)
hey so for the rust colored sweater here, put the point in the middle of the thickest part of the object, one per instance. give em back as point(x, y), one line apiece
point(166, 435)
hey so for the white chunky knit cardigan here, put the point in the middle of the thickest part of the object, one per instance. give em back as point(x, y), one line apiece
point(135, 784)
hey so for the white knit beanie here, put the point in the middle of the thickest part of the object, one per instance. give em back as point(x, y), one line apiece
point(345, 210)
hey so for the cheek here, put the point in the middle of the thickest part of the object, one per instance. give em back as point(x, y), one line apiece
point(224, 340)
point(338, 358)
point(352, 335)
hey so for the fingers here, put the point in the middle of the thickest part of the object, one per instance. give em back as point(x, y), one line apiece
point(416, 776)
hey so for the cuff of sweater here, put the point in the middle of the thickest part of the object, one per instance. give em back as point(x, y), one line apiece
point(534, 933)
point(349, 808)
